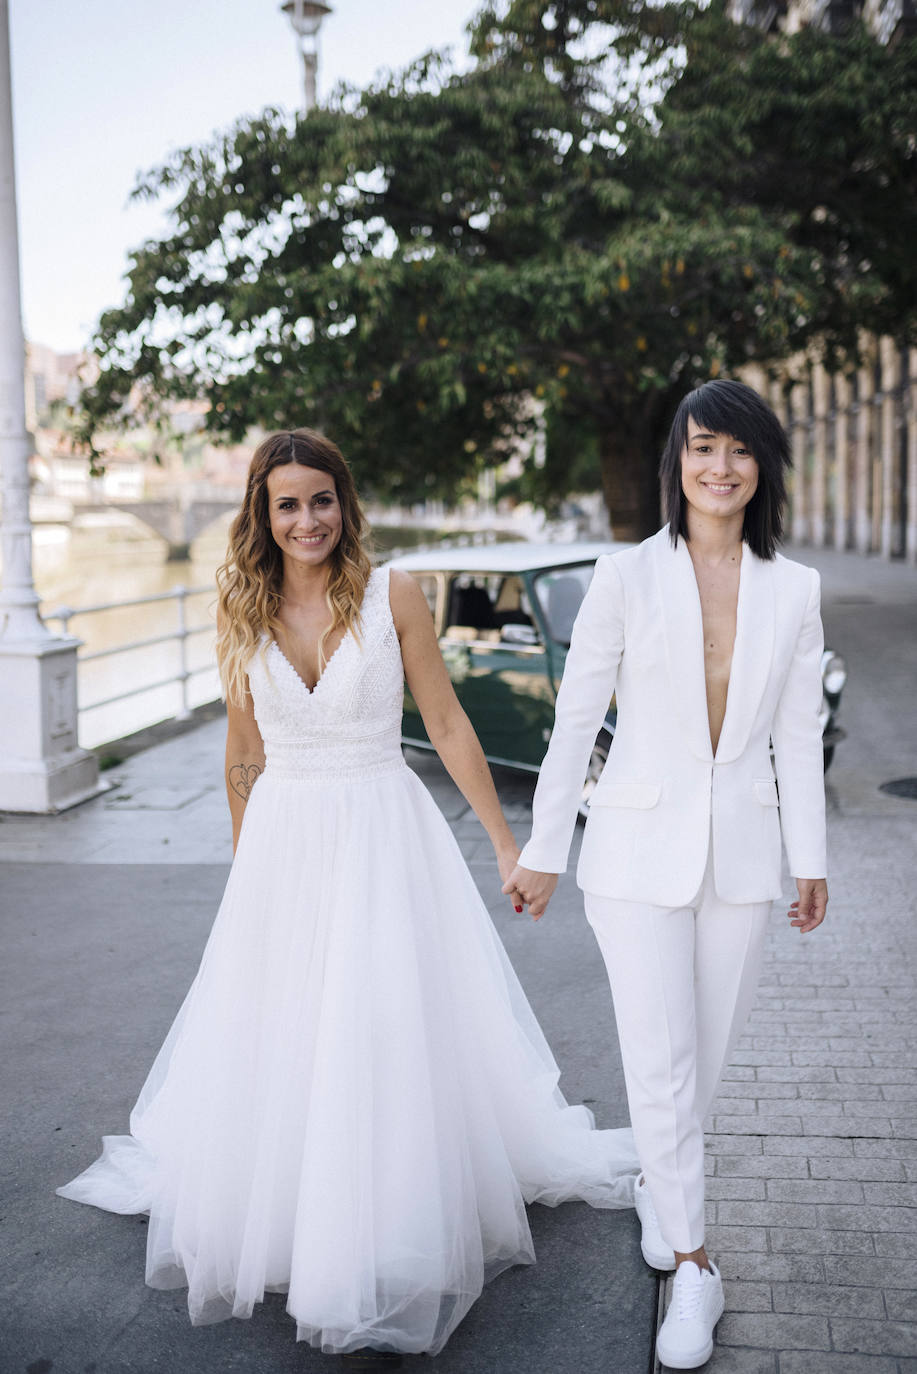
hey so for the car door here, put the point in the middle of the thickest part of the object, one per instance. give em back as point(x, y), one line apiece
point(499, 666)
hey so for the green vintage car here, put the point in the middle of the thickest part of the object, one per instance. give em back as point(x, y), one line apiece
point(504, 614)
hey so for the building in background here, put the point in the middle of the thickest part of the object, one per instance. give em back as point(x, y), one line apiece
point(890, 20)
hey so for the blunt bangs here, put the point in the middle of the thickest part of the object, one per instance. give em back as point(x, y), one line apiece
point(727, 407)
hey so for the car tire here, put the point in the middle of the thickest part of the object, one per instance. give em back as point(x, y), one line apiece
point(597, 760)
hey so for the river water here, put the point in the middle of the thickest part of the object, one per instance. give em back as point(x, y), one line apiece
point(109, 557)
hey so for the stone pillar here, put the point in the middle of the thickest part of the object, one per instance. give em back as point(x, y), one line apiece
point(799, 438)
point(910, 420)
point(42, 767)
point(841, 459)
point(862, 481)
point(890, 361)
point(821, 386)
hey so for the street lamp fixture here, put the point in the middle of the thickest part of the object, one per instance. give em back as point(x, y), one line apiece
point(306, 17)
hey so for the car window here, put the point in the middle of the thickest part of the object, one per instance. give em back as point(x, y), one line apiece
point(560, 594)
point(481, 606)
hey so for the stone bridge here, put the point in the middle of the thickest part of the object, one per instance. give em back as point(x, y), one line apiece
point(178, 519)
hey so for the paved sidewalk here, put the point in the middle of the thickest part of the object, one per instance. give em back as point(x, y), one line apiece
point(104, 913)
point(813, 1140)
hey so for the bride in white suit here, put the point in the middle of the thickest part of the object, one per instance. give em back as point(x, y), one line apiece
point(712, 643)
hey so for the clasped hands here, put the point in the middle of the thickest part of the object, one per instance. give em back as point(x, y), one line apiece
point(525, 887)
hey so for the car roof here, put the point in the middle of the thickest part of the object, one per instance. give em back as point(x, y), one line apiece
point(513, 557)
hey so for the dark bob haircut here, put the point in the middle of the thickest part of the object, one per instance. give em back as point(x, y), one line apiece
point(732, 408)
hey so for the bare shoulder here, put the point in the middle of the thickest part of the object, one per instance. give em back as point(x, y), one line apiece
point(408, 603)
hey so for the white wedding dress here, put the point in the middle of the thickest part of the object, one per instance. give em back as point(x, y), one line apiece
point(355, 1100)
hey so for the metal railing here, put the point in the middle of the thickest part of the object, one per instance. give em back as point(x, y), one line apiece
point(180, 635)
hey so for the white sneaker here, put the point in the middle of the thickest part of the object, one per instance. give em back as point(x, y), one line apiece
point(685, 1338)
point(657, 1254)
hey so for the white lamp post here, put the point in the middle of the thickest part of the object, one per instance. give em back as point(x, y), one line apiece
point(42, 767)
point(306, 18)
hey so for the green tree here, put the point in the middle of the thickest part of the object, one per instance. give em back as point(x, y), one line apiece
point(615, 202)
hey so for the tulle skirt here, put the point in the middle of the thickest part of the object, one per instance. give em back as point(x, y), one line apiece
point(355, 1100)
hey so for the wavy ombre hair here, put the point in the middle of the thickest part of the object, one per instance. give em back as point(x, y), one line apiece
point(249, 582)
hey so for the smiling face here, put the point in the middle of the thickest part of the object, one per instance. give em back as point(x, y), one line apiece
point(719, 475)
point(305, 513)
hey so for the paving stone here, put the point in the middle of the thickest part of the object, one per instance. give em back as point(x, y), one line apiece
point(796, 1073)
point(774, 1331)
point(759, 1090)
point(759, 1124)
point(873, 1273)
point(820, 1241)
point(797, 1362)
point(766, 1214)
point(886, 1170)
point(733, 1145)
point(731, 1189)
point(841, 1092)
point(875, 1337)
point(896, 1244)
point(729, 1360)
point(809, 1145)
point(764, 1166)
point(869, 1216)
point(752, 1267)
point(748, 1297)
point(872, 1148)
point(849, 1059)
point(814, 1190)
point(892, 1194)
point(828, 1300)
point(901, 1305)
point(742, 1238)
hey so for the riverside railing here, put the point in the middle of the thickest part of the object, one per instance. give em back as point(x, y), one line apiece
point(180, 635)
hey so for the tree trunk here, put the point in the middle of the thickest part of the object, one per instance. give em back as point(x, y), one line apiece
point(629, 481)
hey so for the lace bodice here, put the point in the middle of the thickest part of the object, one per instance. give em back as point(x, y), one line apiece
point(349, 725)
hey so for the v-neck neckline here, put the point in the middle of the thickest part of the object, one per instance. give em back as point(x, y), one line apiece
point(310, 691)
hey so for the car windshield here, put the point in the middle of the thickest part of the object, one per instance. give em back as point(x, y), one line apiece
point(560, 594)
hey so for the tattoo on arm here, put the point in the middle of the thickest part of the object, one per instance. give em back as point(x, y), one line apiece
point(242, 778)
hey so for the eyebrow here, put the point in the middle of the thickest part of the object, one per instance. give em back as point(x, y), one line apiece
point(712, 434)
point(325, 492)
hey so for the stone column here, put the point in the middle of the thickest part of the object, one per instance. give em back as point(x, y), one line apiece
point(910, 412)
point(821, 386)
point(889, 451)
point(841, 459)
point(42, 767)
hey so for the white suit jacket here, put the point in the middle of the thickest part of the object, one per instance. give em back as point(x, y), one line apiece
point(639, 633)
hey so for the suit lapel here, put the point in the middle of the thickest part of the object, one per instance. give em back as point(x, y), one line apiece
point(684, 635)
point(752, 654)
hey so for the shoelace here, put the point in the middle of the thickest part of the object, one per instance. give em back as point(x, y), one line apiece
point(689, 1295)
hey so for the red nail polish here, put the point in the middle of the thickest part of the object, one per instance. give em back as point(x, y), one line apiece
point(518, 908)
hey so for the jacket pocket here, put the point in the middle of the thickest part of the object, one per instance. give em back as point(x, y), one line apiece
point(766, 791)
point(639, 796)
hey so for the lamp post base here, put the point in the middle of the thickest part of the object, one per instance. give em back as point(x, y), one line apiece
point(42, 767)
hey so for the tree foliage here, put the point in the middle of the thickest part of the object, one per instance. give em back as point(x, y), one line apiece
point(615, 202)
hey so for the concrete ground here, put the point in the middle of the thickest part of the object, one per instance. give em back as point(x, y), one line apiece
point(812, 1144)
point(105, 910)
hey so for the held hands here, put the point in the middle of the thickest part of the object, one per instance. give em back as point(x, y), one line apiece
point(809, 910)
point(525, 886)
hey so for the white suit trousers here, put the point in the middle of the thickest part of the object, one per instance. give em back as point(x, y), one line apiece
point(683, 982)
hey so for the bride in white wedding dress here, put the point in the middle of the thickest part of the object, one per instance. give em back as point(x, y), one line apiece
point(355, 1100)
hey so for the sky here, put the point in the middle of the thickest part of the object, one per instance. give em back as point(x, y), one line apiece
point(106, 88)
